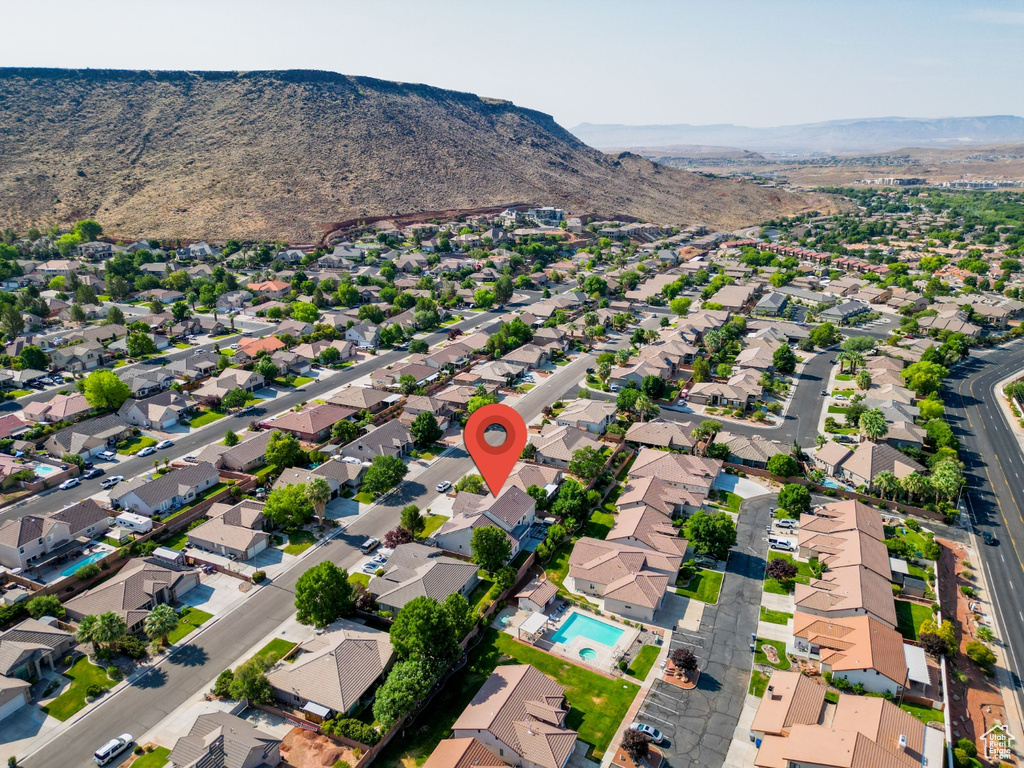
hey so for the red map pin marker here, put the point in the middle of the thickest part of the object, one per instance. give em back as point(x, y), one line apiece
point(495, 461)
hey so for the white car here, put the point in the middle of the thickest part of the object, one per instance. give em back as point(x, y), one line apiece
point(112, 749)
point(841, 397)
point(67, 485)
point(149, 450)
point(649, 731)
point(164, 444)
point(443, 486)
point(111, 481)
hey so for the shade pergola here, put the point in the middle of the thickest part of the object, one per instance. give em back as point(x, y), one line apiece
point(533, 626)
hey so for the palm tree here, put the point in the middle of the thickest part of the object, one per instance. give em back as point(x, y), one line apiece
point(887, 484)
point(86, 632)
point(160, 622)
point(820, 440)
point(947, 479)
point(854, 359)
point(864, 380)
point(110, 628)
point(642, 405)
point(841, 358)
point(318, 493)
point(913, 485)
point(873, 424)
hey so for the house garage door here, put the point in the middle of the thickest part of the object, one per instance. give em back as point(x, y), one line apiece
point(13, 705)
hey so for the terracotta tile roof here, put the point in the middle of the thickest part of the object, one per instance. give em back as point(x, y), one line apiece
point(539, 590)
point(661, 433)
point(794, 699)
point(838, 516)
point(691, 472)
point(851, 588)
point(463, 753)
point(855, 643)
point(848, 548)
point(313, 419)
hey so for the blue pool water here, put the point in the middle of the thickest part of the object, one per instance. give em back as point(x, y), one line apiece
point(70, 570)
point(44, 469)
point(828, 482)
point(581, 625)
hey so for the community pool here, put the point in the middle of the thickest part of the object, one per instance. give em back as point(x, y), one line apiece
point(581, 625)
point(71, 569)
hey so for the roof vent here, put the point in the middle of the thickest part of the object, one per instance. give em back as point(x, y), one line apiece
point(903, 741)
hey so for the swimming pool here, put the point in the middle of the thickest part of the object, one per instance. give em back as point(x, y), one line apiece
point(71, 569)
point(44, 469)
point(581, 625)
point(828, 482)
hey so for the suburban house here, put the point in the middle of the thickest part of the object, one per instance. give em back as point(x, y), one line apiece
point(362, 399)
point(26, 649)
point(250, 349)
point(196, 366)
point(392, 438)
point(363, 335)
point(146, 383)
point(151, 497)
point(555, 445)
point(291, 362)
point(842, 314)
point(415, 570)
point(631, 580)
point(161, 411)
point(273, 289)
point(849, 590)
point(58, 408)
point(139, 586)
point(339, 474)
point(859, 649)
point(692, 473)
point(417, 404)
point(248, 454)
point(658, 433)
point(751, 451)
point(34, 540)
point(514, 512)
point(537, 595)
point(591, 415)
point(337, 670)
point(737, 392)
point(314, 423)
point(222, 740)
point(79, 357)
point(231, 378)
point(232, 531)
point(88, 438)
point(519, 715)
point(870, 459)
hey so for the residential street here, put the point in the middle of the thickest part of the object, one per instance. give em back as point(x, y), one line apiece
point(138, 708)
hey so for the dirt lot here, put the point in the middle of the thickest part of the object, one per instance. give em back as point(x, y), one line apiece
point(306, 749)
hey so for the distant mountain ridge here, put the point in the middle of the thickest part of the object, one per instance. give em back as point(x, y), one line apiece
point(835, 136)
point(284, 155)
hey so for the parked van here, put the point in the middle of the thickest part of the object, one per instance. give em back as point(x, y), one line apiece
point(786, 522)
point(369, 545)
point(112, 749)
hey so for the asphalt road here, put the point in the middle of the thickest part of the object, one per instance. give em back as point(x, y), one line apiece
point(194, 441)
point(995, 493)
point(137, 708)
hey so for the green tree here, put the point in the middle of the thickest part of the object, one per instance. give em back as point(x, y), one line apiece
point(33, 357)
point(483, 298)
point(939, 435)
point(110, 628)
point(318, 493)
point(104, 390)
point(586, 462)
point(470, 484)
point(422, 629)
point(425, 429)
point(479, 401)
point(653, 387)
point(947, 479)
point(886, 484)
point(115, 316)
point(864, 379)
point(288, 507)
point(491, 547)
point(180, 311)
point(86, 632)
point(250, 682)
point(825, 335)
point(783, 465)
point(412, 520)
point(408, 684)
point(385, 473)
point(77, 314)
point(980, 654)
point(572, 501)
point(45, 605)
point(231, 439)
point(930, 409)
point(680, 306)
point(266, 368)
point(283, 450)
point(711, 535)
point(305, 313)
point(701, 370)
point(236, 398)
point(873, 424)
point(419, 347)
point(140, 345)
point(345, 431)
point(853, 413)
point(88, 230)
point(794, 499)
point(784, 359)
point(924, 378)
point(11, 321)
point(160, 622)
point(459, 614)
point(503, 290)
point(858, 344)
point(323, 594)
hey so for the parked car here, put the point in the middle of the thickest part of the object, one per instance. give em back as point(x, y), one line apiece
point(108, 455)
point(841, 397)
point(112, 749)
point(379, 560)
point(786, 522)
point(111, 481)
point(190, 457)
point(649, 731)
point(824, 393)
point(369, 545)
point(164, 444)
point(443, 486)
point(371, 567)
point(247, 409)
point(94, 472)
point(149, 450)
point(70, 483)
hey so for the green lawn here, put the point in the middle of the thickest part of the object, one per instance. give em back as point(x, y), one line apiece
point(182, 345)
point(704, 586)
point(909, 617)
point(597, 704)
point(274, 650)
point(730, 501)
point(803, 575)
point(191, 619)
point(433, 522)
point(917, 572)
point(599, 525)
point(844, 377)
point(758, 683)
point(264, 472)
point(364, 497)
point(155, 759)
point(206, 417)
point(641, 665)
point(924, 714)
point(20, 392)
point(836, 409)
point(761, 658)
point(136, 444)
point(359, 578)
point(177, 541)
point(558, 566)
point(83, 673)
point(298, 542)
point(213, 490)
point(303, 380)
point(775, 617)
point(481, 595)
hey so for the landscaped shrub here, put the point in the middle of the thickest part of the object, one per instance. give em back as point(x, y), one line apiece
point(132, 647)
point(87, 572)
point(94, 691)
point(259, 576)
point(350, 728)
point(222, 687)
point(113, 673)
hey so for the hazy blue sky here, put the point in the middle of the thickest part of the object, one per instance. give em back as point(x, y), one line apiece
point(751, 62)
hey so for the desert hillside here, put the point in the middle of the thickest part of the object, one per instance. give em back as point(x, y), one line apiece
point(283, 155)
